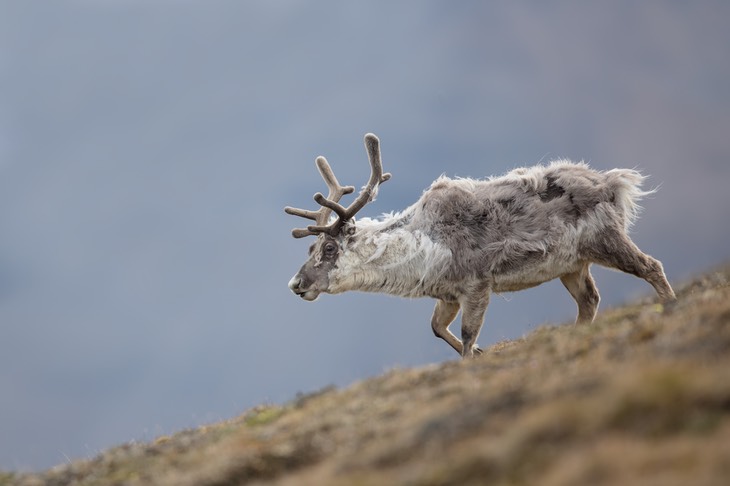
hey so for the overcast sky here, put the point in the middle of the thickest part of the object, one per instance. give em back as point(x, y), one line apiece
point(147, 149)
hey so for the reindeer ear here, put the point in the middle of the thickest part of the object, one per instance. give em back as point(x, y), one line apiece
point(350, 228)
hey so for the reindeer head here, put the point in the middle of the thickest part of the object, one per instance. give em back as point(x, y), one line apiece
point(332, 237)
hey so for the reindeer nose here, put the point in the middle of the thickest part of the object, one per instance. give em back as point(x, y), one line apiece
point(294, 283)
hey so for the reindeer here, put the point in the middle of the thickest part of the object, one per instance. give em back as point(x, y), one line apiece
point(466, 238)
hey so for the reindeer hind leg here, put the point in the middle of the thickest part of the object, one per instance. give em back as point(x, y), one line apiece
point(614, 249)
point(583, 289)
point(472, 318)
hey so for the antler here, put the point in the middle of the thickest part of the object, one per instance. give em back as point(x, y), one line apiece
point(320, 217)
point(336, 191)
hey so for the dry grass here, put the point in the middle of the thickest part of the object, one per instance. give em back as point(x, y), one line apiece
point(642, 396)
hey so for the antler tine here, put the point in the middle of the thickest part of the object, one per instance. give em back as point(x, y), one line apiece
point(304, 213)
point(377, 177)
point(301, 232)
point(336, 191)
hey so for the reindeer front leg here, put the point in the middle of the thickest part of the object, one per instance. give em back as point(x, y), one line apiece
point(473, 305)
point(444, 314)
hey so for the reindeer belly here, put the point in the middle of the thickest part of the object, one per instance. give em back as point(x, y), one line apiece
point(532, 276)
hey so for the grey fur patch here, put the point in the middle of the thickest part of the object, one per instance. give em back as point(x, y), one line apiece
point(575, 211)
point(399, 222)
point(519, 261)
point(553, 190)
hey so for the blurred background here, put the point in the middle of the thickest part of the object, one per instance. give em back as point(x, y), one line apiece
point(147, 149)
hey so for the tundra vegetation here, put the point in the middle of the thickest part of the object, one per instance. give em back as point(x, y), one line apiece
point(639, 397)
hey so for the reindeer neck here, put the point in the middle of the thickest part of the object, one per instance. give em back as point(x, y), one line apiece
point(389, 256)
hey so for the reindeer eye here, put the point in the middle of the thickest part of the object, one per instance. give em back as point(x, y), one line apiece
point(330, 248)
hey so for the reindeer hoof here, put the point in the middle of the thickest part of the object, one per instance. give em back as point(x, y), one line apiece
point(669, 306)
point(475, 351)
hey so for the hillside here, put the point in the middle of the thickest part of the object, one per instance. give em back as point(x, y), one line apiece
point(642, 396)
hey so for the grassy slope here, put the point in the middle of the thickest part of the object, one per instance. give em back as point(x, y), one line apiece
point(641, 396)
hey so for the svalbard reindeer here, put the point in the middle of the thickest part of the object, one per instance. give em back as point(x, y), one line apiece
point(466, 238)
